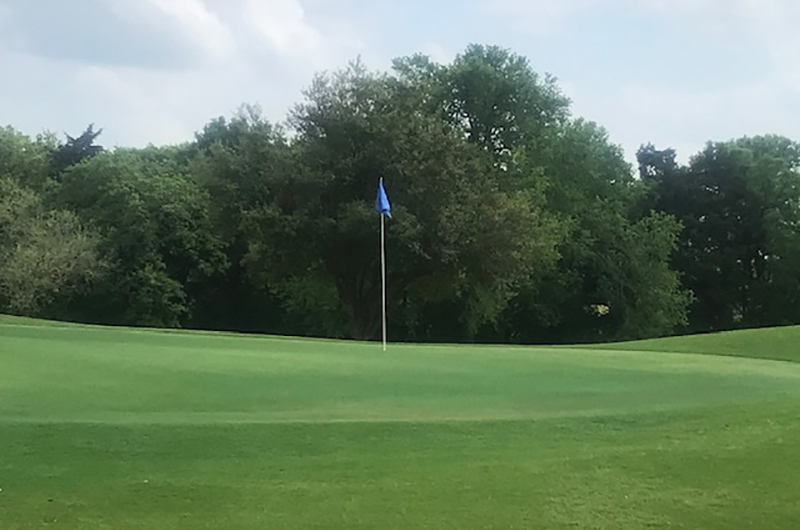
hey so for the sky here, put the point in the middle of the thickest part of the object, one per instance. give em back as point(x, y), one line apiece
point(676, 73)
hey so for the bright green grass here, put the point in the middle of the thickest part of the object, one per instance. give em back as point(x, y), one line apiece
point(25, 321)
point(781, 344)
point(122, 429)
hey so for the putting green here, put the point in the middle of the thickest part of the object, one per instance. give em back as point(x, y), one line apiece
point(122, 428)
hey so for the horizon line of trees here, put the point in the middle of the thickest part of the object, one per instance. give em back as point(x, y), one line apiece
point(513, 220)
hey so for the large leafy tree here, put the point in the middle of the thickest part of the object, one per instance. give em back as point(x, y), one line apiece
point(738, 202)
point(245, 164)
point(513, 220)
point(45, 254)
point(157, 234)
point(495, 100)
point(492, 96)
point(614, 278)
point(455, 234)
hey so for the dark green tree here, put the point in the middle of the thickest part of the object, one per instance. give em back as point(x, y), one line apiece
point(244, 164)
point(498, 102)
point(455, 234)
point(737, 202)
point(76, 150)
point(157, 235)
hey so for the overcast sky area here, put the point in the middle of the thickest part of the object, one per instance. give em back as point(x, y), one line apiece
point(673, 72)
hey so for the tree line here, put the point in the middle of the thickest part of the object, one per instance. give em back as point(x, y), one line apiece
point(513, 220)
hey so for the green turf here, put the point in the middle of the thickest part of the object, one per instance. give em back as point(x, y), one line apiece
point(781, 344)
point(25, 321)
point(115, 428)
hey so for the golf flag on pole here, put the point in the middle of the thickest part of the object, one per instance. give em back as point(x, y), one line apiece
point(382, 202)
point(385, 209)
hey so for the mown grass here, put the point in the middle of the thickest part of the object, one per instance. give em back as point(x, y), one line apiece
point(781, 344)
point(117, 428)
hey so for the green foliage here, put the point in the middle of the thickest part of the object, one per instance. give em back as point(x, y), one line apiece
point(25, 160)
point(738, 202)
point(645, 289)
point(248, 170)
point(76, 150)
point(44, 254)
point(492, 96)
point(455, 232)
point(613, 282)
point(157, 233)
point(513, 220)
point(494, 99)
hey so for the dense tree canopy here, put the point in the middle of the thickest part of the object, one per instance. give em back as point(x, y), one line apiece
point(44, 253)
point(513, 220)
point(739, 204)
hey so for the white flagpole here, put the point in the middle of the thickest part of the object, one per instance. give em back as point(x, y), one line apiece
point(383, 274)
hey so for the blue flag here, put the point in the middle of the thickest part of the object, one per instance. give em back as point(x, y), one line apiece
point(382, 202)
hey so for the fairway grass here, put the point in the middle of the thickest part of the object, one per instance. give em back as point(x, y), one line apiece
point(781, 344)
point(105, 428)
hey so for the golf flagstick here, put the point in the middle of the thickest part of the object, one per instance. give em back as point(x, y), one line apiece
point(383, 276)
point(385, 209)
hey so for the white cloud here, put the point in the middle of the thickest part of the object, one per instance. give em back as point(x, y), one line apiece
point(765, 105)
point(542, 17)
point(198, 22)
point(144, 111)
point(158, 70)
point(685, 120)
point(772, 24)
point(686, 116)
point(284, 27)
point(136, 107)
point(682, 6)
point(191, 18)
point(776, 26)
point(286, 30)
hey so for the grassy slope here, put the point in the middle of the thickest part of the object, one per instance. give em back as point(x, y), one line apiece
point(25, 321)
point(110, 428)
point(775, 343)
